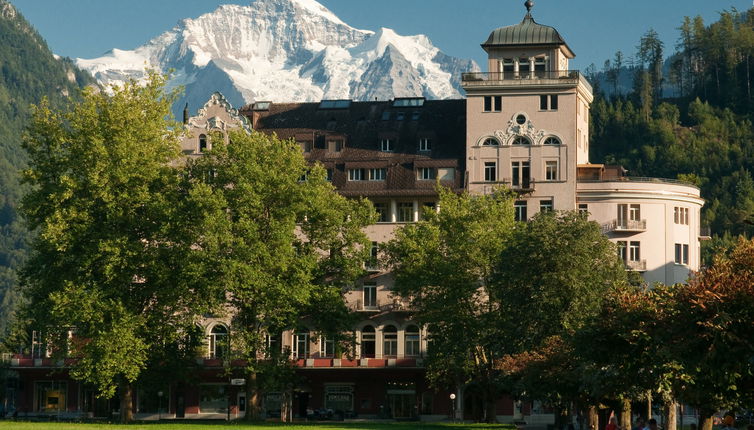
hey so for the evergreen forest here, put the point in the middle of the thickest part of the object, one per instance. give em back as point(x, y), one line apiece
point(686, 116)
point(28, 72)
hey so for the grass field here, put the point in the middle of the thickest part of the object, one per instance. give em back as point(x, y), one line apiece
point(21, 425)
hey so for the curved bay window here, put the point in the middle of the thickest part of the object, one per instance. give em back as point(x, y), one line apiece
point(218, 342)
point(367, 341)
point(390, 345)
point(412, 340)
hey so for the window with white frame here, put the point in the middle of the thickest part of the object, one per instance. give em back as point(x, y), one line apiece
point(623, 250)
point(425, 144)
point(218, 342)
point(273, 344)
point(301, 344)
point(356, 175)
point(426, 173)
point(405, 212)
point(377, 174)
point(369, 295)
point(521, 174)
point(390, 341)
point(545, 205)
point(520, 210)
point(551, 170)
point(681, 253)
point(368, 339)
point(681, 215)
point(326, 347)
point(412, 341)
point(634, 251)
point(387, 145)
point(490, 171)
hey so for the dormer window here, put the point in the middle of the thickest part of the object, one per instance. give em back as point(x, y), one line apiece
point(386, 115)
point(335, 145)
point(426, 173)
point(425, 144)
point(400, 116)
point(387, 145)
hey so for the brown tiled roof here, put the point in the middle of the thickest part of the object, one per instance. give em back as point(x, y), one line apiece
point(361, 126)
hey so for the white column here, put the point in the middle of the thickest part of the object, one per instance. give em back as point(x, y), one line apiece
point(416, 210)
point(393, 211)
point(378, 342)
point(401, 343)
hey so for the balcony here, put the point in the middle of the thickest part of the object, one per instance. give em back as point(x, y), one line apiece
point(392, 305)
point(636, 266)
point(625, 226)
point(481, 80)
point(370, 307)
point(373, 266)
point(705, 233)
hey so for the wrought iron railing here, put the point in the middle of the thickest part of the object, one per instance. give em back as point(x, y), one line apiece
point(525, 77)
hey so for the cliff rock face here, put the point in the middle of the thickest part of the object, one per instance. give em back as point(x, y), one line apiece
point(286, 50)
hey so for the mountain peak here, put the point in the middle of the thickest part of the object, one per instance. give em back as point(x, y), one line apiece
point(284, 50)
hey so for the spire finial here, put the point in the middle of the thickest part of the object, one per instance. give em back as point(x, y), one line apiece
point(529, 4)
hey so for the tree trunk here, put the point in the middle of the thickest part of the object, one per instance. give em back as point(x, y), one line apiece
point(625, 414)
point(126, 392)
point(286, 404)
point(593, 418)
point(670, 414)
point(649, 405)
point(490, 408)
point(253, 411)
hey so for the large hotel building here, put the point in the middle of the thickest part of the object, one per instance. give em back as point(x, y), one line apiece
point(524, 124)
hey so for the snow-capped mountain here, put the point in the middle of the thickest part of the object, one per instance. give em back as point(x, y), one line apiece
point(286, 50)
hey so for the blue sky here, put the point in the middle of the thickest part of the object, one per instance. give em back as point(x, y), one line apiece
point(594, 29)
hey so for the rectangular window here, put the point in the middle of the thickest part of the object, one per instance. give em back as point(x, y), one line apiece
point(370, 295)
point(490, 171)
point(329, 175)
point(548, 102)
point(623, 250)
point(212, 399)
point(412, 344)
point(356, 175)
point(634, 213)
point(301, 345)
point(545, 205)
point(377, 174)
point(583, 208)
point(520, 171)
point(390, 344)
point(493, 103)
point(551, 170)
point(306, 145)
point(634, 251)
point(424, 144)
point(508, 67)
point(383, 213)
point(681, 215)
point(540, 64)
point(523, 67)
point(326, 347)
point(405, 212)
point(335, 145)
point(400, 116)
point(372, 264)
point(681, 254)
point(685, 254)
point(425, 173)
point(676, 218)
point(386, 115)
point(520, 210)
point(387, 145)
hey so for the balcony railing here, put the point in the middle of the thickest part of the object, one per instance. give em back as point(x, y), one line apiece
point(370, 307)
point(629, 226)
point(373, 266)
point(705, 232)
point(527, 77)
point(637, 266)
point(640, 179)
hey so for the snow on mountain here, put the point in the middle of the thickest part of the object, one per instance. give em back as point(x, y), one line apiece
point(286, 50)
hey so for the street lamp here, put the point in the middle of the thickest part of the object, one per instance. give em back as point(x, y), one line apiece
point(453, 406)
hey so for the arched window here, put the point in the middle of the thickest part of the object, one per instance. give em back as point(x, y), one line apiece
point(202, 142)
point(390, 337)
point(218, 341)
point(412, 341)
point(552, 140)
point(367, 341)
point(490, 141)
point(521, 140)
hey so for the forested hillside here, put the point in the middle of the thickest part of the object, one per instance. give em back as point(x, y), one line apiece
point(703, 134)
point(28, 72)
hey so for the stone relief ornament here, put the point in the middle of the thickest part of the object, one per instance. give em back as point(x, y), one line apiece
point(218, 99)
point(526, 129)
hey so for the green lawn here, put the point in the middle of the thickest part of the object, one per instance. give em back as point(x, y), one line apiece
point(21, 425)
